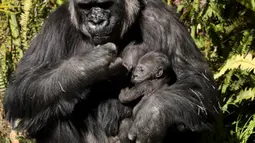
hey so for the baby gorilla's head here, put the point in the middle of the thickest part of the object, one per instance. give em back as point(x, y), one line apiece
point(152, 65)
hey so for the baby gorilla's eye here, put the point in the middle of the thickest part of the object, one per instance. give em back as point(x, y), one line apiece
point(141, 69)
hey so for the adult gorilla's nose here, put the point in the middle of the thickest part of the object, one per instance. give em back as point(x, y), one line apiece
point(97, 17)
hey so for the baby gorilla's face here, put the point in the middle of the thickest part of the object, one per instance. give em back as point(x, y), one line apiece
point(141, 73)
point(150, 66)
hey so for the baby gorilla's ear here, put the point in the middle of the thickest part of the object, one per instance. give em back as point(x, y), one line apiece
point(159, 72)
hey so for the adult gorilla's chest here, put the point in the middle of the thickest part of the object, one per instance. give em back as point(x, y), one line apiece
point(109, 88)
point(102, 96)
point(104, 90)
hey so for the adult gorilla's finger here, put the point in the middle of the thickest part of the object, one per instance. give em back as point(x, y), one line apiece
point(111, 46)
point(142, 139)
point(138, 132)
point(116, 63)
point(132, 134)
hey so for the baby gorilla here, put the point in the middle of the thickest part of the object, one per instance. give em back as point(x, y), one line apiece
point(149, 75)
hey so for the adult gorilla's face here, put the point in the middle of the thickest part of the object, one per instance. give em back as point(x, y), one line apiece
point(101, 20)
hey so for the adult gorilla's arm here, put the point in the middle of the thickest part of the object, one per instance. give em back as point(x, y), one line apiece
point(47, 81)
point(192, 100)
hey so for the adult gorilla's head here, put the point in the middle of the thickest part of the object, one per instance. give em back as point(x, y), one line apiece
point(103, 20)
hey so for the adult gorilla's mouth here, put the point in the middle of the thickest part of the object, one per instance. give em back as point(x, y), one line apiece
point(100, 33)
point(102, 29)
point(98, 27)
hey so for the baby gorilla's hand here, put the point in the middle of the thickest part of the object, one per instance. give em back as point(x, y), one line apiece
point(123, 97)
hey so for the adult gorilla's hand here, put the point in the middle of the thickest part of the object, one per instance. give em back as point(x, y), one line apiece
point(149, 124)
point(103, 55)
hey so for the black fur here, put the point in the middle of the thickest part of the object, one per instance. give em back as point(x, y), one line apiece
point(64, 92)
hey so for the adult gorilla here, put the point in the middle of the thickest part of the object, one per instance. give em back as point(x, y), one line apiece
point(64, 90)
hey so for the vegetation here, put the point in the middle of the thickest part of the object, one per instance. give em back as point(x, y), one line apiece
point(224, 30)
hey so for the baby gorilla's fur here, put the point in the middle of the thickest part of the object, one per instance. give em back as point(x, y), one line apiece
point(149, 75)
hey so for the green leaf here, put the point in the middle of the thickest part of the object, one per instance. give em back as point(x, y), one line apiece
point(248, 3)
point(238, 61)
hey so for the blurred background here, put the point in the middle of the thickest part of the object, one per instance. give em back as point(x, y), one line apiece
point(224, 30)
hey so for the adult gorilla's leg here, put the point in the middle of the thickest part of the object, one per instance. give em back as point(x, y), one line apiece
point(123, 130)
point(73, 131)
point(109, 115)
point(60, 132)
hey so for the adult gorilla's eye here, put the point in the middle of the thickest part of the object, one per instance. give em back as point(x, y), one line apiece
point(105, 5)
point(85, 6)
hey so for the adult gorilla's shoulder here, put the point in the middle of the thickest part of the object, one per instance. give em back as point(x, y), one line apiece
point(60, 17)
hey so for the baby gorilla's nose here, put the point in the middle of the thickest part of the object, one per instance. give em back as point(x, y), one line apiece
point(134, 76)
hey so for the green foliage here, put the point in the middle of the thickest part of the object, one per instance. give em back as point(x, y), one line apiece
point(238, 61)
point(27, 6)
point(224, 30)
point(20, 22)
point(10, 40)
point(243, 132)
point(248, 3)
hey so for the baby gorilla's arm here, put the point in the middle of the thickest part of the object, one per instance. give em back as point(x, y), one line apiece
point(130, 94)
